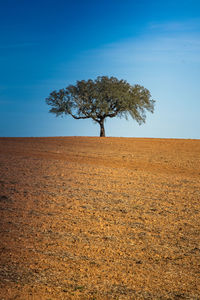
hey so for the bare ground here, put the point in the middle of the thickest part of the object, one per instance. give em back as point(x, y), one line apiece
point(99, 218)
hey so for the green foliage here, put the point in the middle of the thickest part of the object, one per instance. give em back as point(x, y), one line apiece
point(102, 98)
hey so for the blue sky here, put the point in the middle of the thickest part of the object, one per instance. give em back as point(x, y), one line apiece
point(49, 44)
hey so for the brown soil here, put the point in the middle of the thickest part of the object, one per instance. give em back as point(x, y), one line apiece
point(99, 218)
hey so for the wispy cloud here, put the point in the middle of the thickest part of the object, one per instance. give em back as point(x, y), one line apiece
point(153, 48)
point(3, 87)
point(177, 26)
point(155, 54)
point(18, 45)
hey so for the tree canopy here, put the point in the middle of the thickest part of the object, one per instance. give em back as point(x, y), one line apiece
point(102, 98)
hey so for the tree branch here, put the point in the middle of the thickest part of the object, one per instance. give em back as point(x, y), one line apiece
point(113, 114)
point(78, 118)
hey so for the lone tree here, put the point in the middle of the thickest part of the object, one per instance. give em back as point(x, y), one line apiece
point(101, 98)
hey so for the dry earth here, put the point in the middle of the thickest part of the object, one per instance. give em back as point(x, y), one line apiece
point(99, 218)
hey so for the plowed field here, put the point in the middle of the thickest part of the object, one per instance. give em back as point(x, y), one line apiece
point(99, 218)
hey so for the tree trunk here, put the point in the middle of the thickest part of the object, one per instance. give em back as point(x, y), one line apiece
point(102, 129)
